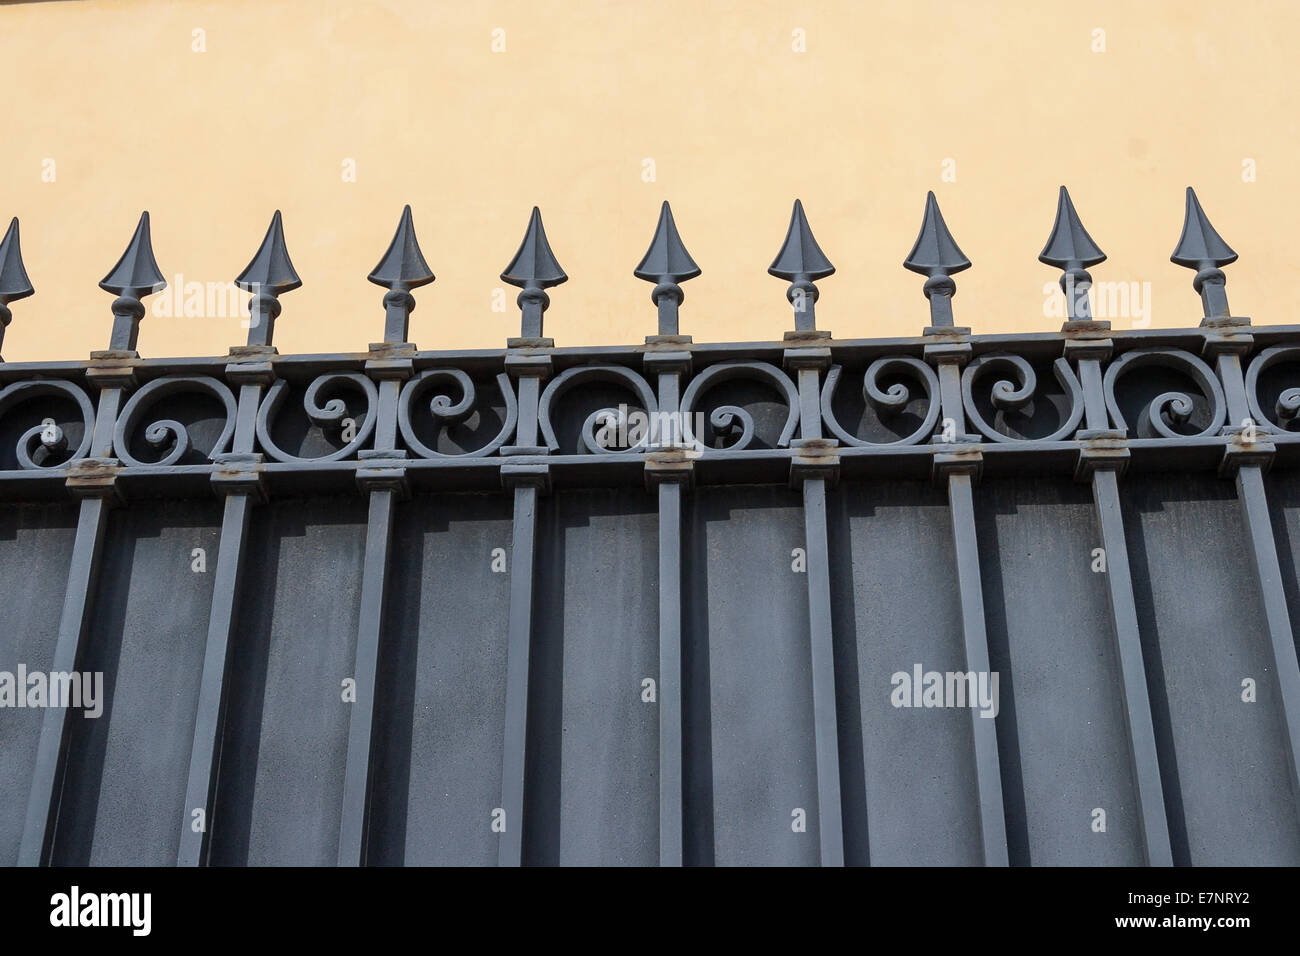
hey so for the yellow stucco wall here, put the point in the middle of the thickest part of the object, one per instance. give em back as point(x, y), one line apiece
point(736, 121)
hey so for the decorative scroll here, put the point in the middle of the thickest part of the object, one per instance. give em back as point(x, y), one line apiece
point(447, 412)
point(601, 418)
point(332, 415)
point(1018, 396)
point(166, 432)
point(1173, 406)
point(1286, 407)
point(728, 417)
point(47, 439)
point(888, 403)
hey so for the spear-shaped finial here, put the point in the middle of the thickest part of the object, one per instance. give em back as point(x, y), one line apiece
point(1072, 250)
point(936, 254)
point(401, 269)
point(14, 284)
point(534, 270)
point(667, 263)
point(801, 262)
point(135, 276)
point(1201, 248)
point(267, 277)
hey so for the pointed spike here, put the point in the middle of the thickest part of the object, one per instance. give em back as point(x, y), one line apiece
point(534, 264)
point(14, 284)
point(667, 257)
point(136, 273)
point(1200, 243)
point(935, 251)
point(1069, 243)
point(403, 264)
point(270, 271)
point(800, 255)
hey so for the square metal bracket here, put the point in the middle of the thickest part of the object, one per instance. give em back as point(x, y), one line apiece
point(961, 457)
point(391, 362)
point(95, 478)
point(526, 472)
point(675, 465)
point(251, 365)
point(239, 473)
point(814, 458)
point(1238, 451)
point(1226, 335)
point(1101, 448)
point(113, 368)
point(383, 471)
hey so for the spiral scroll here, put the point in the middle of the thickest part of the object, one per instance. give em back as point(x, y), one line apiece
point(605, 416)
point(447, 412)
point(331, 415)
point(166, 432)
point(1008, 395)
point(727, 417)
point(1177, 406)
point(48, 439)
point(1286, 409)
point(887, 403)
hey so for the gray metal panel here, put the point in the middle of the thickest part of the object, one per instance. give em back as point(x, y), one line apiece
point(593, 793)
point(1063, 742)
point(442, 679)
point(35, 548)
point(281, 783)
point(750, 694)
point(124, 788)
point(909, 774)
point(1203, 633)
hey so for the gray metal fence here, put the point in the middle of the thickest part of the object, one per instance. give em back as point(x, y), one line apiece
point(672, 603)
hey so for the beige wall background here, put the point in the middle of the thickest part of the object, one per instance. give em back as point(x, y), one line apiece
point(738, 122)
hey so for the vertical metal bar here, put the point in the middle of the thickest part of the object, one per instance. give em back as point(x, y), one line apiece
point(92, 479)
point(523, 553)
point(1143, 753)
point(1226, 342)
point(670, 673)
point(374, 582)
point(239, 480)
point(384, 478)
point(959, 465)
point(1094, 403)
point(815, 462)
point(1263, 553)
point(830, 823)
point(950, 397)
point(667, 263)
point(1103, 454)
point(51, 751)
point(209, 719)
point(669, 469)
point(988, 772)
point(526, 474)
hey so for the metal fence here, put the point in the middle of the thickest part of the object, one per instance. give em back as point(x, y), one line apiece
point(676, 603)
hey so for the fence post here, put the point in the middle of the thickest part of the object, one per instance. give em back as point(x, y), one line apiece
point(1103, 456)
point(528, 360)
point(958, 463)
point(813, 466)
point(383, 477)
point(238, 478)
point(93, 479)
point(669, 470)
point(1246, 456)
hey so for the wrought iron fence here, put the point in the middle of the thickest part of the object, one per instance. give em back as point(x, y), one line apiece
point(671, 603)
